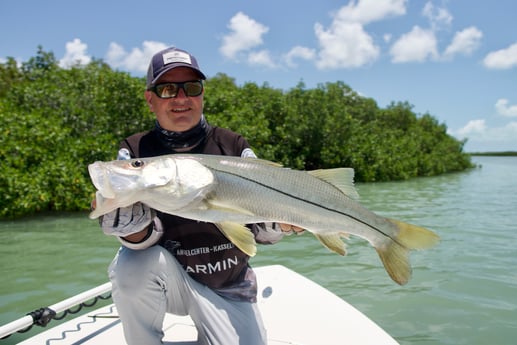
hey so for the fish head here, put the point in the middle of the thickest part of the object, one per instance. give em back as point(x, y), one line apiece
point(119, 177)
point(165, 183)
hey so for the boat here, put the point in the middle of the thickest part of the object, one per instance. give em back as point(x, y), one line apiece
point(295, 309)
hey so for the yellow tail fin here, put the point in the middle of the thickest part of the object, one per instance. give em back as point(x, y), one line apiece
point(395, 256)
point(415, 237)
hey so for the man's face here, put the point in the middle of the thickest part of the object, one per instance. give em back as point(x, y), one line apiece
point(180, 113)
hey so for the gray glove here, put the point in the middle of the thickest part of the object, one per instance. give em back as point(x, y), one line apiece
point(128, 220)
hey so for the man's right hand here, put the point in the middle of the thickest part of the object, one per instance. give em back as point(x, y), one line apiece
point(128, 220)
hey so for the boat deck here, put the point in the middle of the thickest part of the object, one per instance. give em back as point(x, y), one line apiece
point(295, 311)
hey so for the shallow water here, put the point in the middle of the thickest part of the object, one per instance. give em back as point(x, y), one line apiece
point(464, 291)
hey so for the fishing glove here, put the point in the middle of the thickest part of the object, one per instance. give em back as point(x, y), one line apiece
point(128, 220)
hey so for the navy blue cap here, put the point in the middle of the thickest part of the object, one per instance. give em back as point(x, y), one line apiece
point(168, 59)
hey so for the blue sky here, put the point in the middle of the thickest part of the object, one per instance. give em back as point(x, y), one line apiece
point(453, 59)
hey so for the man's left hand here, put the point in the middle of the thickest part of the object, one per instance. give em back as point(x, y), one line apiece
point(290, 229)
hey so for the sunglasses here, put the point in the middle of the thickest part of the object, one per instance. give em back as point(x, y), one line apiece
point(170, 90)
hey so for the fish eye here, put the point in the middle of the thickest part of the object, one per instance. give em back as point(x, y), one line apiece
point(137, 163)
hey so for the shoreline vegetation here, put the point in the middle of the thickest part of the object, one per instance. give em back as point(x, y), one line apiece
point(55, 121)
point(497, 154)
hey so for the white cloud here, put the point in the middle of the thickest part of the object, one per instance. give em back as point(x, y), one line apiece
point(115, 55)
point(473, 127)
point(507, 133)
point(387, 37)
point(245, 34)
point(261, 58)
point(438, 16)
point(415, 46)
point(464, 42)
point(76, 53)
point(137, 60)
point(420, 44)
point(299, 52)
point(484, 138)
point(504, 109)
point(367, 11)
point(502, 59)
point(345, 43)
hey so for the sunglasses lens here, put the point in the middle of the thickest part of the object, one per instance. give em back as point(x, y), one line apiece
point(193, 88)
point(168, 90)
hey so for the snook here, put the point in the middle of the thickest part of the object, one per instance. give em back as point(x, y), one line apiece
point(232, 191)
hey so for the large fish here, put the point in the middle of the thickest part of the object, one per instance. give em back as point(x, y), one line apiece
point(232, 191)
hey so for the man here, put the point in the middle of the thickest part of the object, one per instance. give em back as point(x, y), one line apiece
point(177, 265)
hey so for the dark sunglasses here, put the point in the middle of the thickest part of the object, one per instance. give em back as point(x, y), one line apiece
point(170, 90)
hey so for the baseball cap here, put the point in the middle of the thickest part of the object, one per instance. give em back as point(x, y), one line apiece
point(168, 59)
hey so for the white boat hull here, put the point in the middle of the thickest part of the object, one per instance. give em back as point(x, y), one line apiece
point(295, 311)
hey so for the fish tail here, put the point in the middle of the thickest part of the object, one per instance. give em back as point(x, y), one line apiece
point(414, 237)
point(395, 255)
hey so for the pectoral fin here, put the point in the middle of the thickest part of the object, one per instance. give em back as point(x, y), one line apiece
point(240, 236)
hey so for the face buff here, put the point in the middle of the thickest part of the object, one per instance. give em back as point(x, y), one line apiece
point(183, 140)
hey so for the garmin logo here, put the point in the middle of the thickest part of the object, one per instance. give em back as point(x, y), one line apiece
point(211, 268)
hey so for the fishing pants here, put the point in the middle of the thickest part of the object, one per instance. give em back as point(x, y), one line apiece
point(148, 283)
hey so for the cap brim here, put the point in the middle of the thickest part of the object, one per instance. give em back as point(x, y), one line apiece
point(173, 66)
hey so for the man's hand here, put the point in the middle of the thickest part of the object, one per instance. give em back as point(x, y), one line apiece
point(289, 229)
point(128, 220)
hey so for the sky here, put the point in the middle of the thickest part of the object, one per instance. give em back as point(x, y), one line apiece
point(453, 59)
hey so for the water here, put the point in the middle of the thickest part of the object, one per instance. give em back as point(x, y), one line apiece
point(462, 292)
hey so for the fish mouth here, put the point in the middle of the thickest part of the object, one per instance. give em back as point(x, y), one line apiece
point(100, 179)
point(111, 181)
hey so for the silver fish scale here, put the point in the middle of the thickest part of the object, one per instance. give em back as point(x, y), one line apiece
point(270, 193)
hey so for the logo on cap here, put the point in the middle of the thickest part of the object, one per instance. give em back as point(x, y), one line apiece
point(176, 57)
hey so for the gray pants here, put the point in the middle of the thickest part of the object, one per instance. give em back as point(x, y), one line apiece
point(148, 283)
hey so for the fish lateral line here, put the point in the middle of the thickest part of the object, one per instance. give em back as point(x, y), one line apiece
point(306, 201)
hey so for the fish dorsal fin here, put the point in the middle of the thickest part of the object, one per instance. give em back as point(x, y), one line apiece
point(341, 178)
